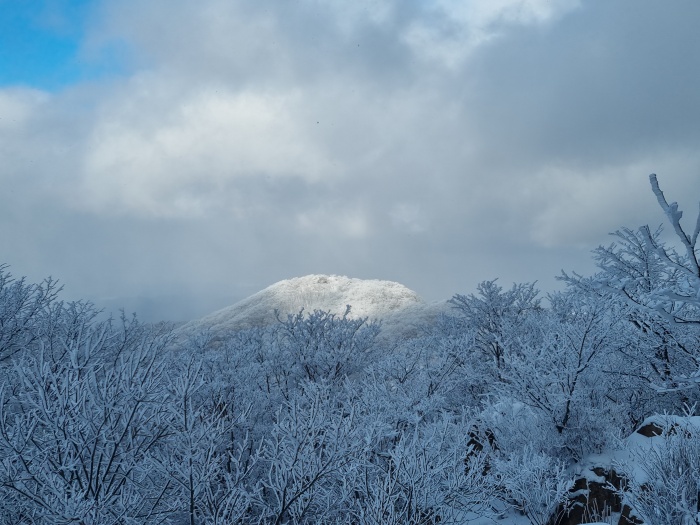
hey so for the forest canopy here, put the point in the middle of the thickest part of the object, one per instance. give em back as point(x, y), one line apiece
point(487, 413)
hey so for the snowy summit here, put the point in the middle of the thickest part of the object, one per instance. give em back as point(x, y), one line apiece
point(396, 305)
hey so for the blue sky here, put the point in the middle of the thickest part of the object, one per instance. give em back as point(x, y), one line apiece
point(173, 157)
point(42, 44)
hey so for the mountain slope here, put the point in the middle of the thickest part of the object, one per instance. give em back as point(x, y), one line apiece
point(401, 309)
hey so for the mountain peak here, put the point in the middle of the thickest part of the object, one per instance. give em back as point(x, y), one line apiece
point(368, 297)
point(373, 298)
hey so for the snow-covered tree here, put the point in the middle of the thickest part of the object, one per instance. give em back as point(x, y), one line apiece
point(488, 312)
point(555, 363)
point(421, 378)
point(79, 421)
point(684, 268)
point(314, 440)
point(534, 484)
point(23, 307)
point(206, 460)
point(661, 287)
point(424, 478)
point(325, 346)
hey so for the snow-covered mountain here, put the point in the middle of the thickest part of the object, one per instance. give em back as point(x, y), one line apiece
point(402, 311)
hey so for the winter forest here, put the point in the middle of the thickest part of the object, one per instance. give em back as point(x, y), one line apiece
point(514, 407)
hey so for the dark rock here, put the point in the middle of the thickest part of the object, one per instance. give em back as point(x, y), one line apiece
point(591, 499)
point(627, 518)
point(479, 439)
point(650, 430)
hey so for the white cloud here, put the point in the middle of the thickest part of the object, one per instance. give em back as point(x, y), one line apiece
point(351, 14)
point(454, 29)
point(408, 217)
point(18, 106)
point(564, 206)
point(181, 155)
point(333, 222)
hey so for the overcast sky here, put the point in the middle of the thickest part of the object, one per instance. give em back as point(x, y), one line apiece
point(173, 157)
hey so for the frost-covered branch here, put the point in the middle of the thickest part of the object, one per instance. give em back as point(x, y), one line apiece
point(674, 216)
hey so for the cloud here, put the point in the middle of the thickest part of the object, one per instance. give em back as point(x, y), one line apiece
point(435, 143)
point(17, 106)
point(453, 30)
point(408, 217)
point(338, 221)
point(160, 153)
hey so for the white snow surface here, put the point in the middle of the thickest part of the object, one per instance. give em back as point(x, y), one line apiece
point(635, 446)
point(402, 311)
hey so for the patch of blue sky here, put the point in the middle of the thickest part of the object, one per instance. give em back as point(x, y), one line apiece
point(41, 45)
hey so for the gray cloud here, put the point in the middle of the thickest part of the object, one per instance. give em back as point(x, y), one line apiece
point(434, 144)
